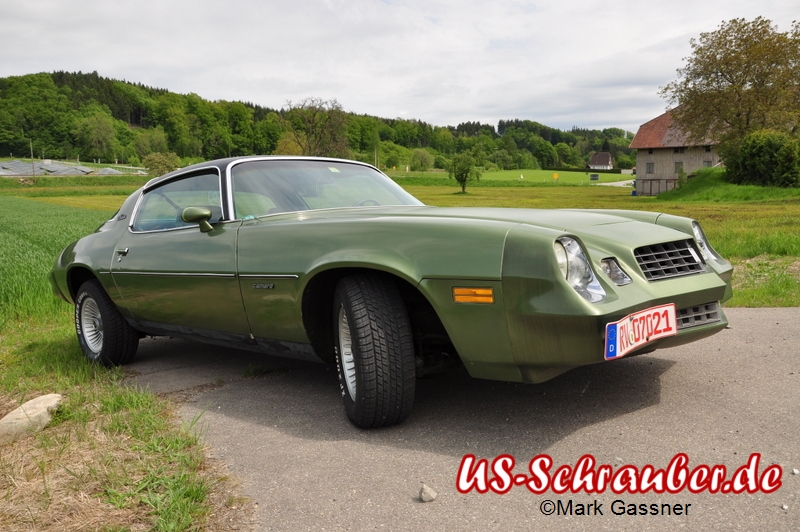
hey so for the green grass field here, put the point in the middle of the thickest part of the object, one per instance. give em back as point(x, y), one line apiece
point(512, 178)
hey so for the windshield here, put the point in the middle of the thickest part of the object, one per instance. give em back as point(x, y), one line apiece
point(270, 187)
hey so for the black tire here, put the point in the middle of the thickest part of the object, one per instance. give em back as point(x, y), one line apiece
point(375, 362)
point(103, 334)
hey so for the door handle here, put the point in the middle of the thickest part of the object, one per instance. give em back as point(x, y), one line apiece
point(122, 251)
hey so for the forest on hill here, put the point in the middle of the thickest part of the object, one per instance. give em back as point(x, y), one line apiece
point(84, 116)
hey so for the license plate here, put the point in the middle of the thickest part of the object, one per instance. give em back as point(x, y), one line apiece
point(640, 328)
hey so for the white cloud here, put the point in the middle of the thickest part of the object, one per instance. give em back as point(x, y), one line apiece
point(584, 63)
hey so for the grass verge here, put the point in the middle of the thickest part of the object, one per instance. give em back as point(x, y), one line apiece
point(114, 457)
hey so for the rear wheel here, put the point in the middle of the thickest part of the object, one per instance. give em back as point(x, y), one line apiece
point(374, 351)
point(103, 334)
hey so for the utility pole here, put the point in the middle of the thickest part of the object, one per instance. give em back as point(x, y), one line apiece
point(33, 166)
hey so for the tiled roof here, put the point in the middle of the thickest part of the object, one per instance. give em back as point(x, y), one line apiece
point(601, 158)
point(660, 132)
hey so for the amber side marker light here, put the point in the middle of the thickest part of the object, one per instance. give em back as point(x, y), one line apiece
point(473, 295)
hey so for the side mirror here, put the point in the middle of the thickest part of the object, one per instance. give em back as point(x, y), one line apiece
point(197, 215)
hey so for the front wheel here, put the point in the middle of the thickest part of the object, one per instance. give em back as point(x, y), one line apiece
point(374, 351)
point(103, 334)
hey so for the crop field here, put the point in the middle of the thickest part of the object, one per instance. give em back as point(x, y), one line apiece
point(115, 458)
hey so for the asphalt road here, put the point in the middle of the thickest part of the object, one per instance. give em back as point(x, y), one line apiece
point(281, 428)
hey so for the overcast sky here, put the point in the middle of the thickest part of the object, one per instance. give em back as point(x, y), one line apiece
point(562, 63)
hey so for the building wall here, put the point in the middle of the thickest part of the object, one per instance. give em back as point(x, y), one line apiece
point(656, 169)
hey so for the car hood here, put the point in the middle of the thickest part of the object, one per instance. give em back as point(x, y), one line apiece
point(557, 219)
point(601, 227)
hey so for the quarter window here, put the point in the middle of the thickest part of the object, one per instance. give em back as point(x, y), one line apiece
point(161, 207)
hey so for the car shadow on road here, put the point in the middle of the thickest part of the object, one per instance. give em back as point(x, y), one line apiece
point(303, 400)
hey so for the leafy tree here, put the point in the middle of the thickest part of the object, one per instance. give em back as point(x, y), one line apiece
point(96, 136)
point(362, 134)
point(208, 128)
point(406, 133)
point(503, 160)
point(463, 169)
point(420, 160)
point(287, 145)
point(150, 140)
point(443, 140)
point(743, 77)
point(567, 155)
point(613, 132)
point(524, 159)
point(318, 126)
point(545, 152)
point(161, 163)
point(240, 124)
point(625, 161)
point(392, 160)
point(266, 134)
point(170, 113)
point(33, 108)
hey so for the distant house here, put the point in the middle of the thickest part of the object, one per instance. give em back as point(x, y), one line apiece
point(662, 150)
point(601, 161)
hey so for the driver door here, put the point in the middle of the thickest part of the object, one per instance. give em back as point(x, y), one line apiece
point(172, 276)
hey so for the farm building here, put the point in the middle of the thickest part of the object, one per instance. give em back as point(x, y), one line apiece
point(662, 150)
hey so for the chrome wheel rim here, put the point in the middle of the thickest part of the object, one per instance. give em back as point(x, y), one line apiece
point(346, 353)
point(92, 325)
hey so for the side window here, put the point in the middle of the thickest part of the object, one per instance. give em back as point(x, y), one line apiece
point(161, 207)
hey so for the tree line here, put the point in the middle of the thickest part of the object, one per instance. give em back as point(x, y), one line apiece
point(84, 116)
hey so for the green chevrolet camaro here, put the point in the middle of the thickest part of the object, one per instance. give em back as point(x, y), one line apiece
point(329, 259)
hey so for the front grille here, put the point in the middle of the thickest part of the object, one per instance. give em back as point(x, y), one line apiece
point(663, 261)
point(699, 315)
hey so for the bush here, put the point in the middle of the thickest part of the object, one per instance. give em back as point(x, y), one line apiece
point(421, 160)
point(766, 158)
point(161, 163)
